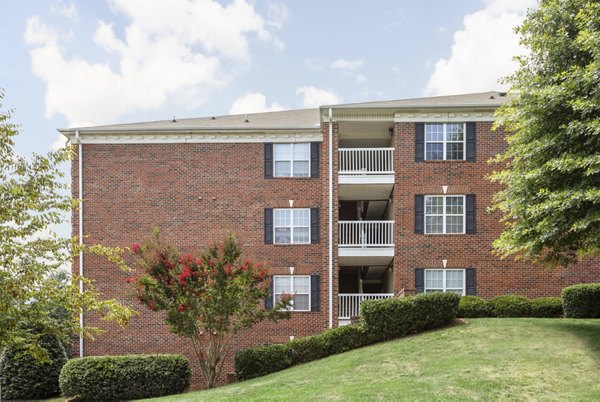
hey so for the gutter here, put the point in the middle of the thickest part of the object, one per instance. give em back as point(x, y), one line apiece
point(80, 196)
point(330, 223)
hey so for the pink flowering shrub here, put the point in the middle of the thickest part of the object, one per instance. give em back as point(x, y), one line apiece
point(207, 298)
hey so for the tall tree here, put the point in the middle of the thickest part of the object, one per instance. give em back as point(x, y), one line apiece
point(32, 201)
point(551, 197)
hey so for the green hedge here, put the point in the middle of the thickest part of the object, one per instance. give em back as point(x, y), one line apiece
point(23, 377)
point(393, 318)
point(473, 307)
point(124, 377)
point(582, 301)
point(262, 360)
point(510, 306)
point(547, 307)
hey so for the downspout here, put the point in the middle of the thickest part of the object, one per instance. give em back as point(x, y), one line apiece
point(330, 218)
point(80, 189)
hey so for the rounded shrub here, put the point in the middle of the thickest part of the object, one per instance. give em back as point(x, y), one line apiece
point(582, 301)
point(473, 307)
point(124, 377)
point(547, 307)
point(261, 360)
point(510, 306)
point(23, 377)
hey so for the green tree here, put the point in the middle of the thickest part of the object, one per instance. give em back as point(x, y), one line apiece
point(32, 201)
point(551, 198)
point(207, 299)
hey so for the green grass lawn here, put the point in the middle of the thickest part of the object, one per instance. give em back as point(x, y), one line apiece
point(483, 359)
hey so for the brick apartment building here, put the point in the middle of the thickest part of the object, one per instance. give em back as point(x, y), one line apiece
point(346, 203)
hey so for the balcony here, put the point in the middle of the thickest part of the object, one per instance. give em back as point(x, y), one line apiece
point(349, 304)
point(363, 243)
point(365, 173)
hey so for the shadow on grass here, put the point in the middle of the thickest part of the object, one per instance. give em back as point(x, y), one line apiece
point(587, 330)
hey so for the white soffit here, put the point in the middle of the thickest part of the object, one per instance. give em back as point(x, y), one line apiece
point(443, 117)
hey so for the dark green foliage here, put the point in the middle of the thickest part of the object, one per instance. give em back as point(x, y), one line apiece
point(582, 301)
point(550, 199)
point(393, 318)
point(330, 342)
point(510, 306)
point(124, 377)
point(23, 377)
point(261, 360)
point(473, 307)
point(410, 314)
point(547, 307)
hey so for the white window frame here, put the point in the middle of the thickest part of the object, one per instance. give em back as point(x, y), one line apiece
point(291, 225)
point(292, 292)
point(292, 160)
point(445, 142)
point(444, 287)
point(444, 214)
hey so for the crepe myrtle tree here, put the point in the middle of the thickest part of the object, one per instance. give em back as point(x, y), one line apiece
point(207, 298)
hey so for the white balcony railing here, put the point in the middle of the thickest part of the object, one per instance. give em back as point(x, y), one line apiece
point(366, 233)
point(349, 304)
point(366, 161)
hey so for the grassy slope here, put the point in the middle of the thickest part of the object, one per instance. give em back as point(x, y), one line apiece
point(517, 359)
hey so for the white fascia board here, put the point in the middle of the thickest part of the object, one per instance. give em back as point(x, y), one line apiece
point(435, 117)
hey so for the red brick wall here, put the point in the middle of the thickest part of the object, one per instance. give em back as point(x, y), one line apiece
point(195, 194)
point(494, 276)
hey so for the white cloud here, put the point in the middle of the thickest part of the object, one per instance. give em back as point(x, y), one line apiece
point(315, 97)
point(342, 64)
point(178, 50)
point(253, 103)
point(482, 51)
point(65, 9)
point(361, 79)
point(277, 14)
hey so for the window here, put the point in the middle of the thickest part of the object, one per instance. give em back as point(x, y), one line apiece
point(445, 141)
point(445, 280)
point(297, 286)
point(291, 160)
point(291, 226)
point(445, 214)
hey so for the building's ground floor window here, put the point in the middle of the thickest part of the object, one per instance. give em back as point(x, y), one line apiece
point(297, 286)
point(445, 280)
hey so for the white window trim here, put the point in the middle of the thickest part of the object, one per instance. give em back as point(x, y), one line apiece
point(445, 142)
point(291, 308)
point(291, 225)
point(444, 288)
point(292, 160)
point(444, 215)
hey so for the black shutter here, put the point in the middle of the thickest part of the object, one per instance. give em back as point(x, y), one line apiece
point(269, 298)
point(315, 293)
point(268, 225)
point(419, 142)
point(420, 280)
point(268, 160)
point(419, 214)
point(471, 141)
point(471, 289)
point(471, 212)
point(314, 159)
point(315, 237)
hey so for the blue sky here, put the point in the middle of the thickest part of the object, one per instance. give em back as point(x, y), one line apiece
point(72, 63)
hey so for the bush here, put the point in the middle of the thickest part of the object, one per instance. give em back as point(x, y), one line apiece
point(124, 377)
point(547, 307)
point(582, 301)
point(473, 307)
point(510, 306)
point(23, 377)
point(261, 360)
point(393, 318)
